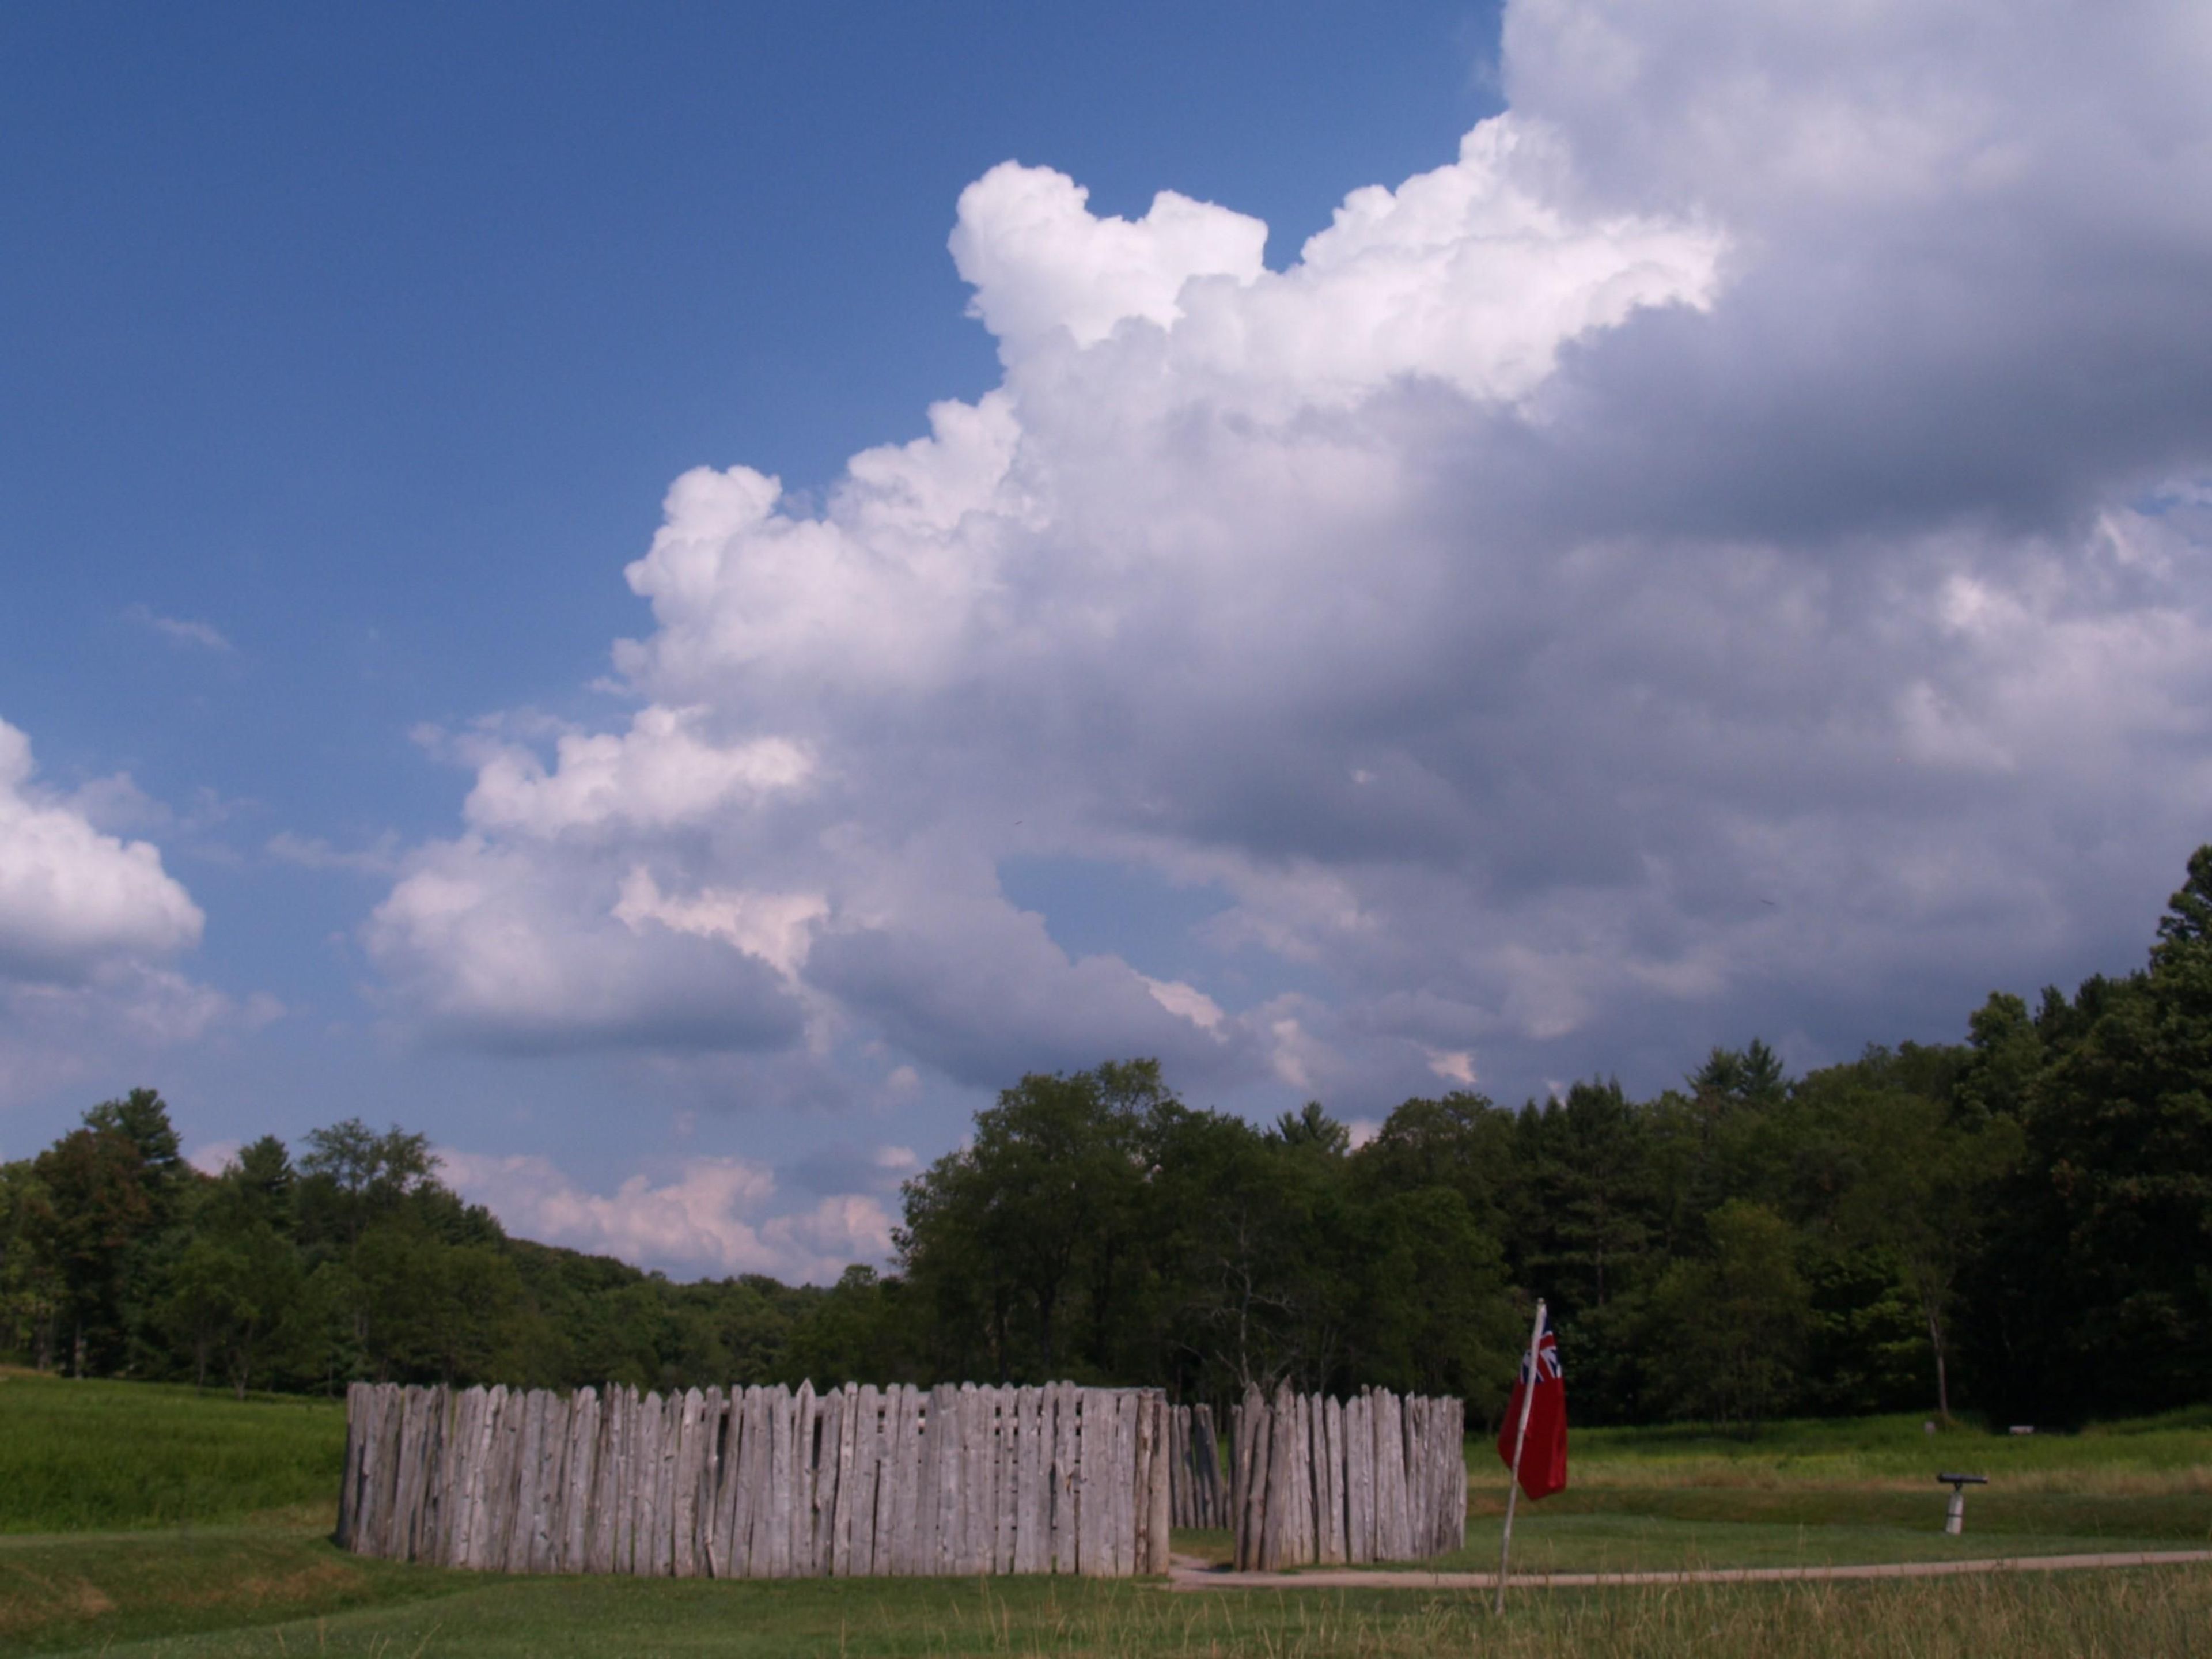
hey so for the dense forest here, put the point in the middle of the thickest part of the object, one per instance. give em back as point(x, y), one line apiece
point(2019, 1225)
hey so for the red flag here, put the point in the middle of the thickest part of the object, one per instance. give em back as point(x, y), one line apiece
point(1544, 1448)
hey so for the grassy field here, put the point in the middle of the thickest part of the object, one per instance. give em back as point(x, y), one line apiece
point(76, 1457)
point(2168, 1454)
point(137, 1520)
point(1825, 1493)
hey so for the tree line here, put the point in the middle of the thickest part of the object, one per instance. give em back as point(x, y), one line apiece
point(2019, 1224)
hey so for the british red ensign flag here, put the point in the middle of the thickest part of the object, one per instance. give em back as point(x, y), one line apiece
point(1544, 1447)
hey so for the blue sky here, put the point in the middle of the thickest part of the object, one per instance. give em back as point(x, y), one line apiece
point(1720, 552)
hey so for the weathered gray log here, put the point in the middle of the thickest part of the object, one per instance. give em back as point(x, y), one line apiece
point(1328, 1482)
point(724, 1552)
point(1239, 1467)
point(472, 1523)
point(503, 1476)
point(1300, 1544)
point(623, 1520)
point(867, 1482)
point(472, 1444)
point(707, 1502)
point(772, 1546)
point(689, 1410)
point(1182, 1499)
point(505, 1457)
point(383, 1475)
point(998, 1437)
point(552, 1442)
point(983, 1483)
point(666, 1484)
point(1031, 1544)
point(1459, 1474)
point(832, 1483)
point(1111, 1485)
point(810, 1475)
point(357, 1411)
point(1082, 1516)
point(1158, 1517)
point(894, 1499)
point(1149, 1422)
point(922, 1495)
point(579, 1460)
point(1191, 1506)
point(392, 1527)
point(749, 1547)
point(391, 1435)
point(452, 1473)
point(644, 1483)
point(1121, 1515)
point(1253, 1464)
point(952, 1505)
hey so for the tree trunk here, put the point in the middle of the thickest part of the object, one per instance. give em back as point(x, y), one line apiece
point(1942, 1372)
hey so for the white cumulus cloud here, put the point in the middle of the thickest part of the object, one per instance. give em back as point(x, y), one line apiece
point(72, 899)
point(718, 1216)
point(1725, 551)
point(91, 927)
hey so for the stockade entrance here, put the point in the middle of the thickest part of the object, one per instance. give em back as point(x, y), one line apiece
point(761, 1483)
point(1377, 1478)
point(1196, 1496)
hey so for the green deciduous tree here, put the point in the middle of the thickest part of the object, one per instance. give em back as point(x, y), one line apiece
point(109, 1189)
point(1727, 1328)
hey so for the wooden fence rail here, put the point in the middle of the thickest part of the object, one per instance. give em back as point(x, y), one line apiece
point(761, 1483)
point(1378, 1478)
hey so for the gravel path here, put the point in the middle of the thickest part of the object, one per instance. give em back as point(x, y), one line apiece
point(1185, 1574)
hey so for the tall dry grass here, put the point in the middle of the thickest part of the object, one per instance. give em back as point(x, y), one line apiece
point(2145, 1615)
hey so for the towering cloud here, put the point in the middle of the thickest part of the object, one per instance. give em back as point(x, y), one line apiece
point(1726, 552)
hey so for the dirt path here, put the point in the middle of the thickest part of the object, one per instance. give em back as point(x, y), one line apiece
point(1190, 1575)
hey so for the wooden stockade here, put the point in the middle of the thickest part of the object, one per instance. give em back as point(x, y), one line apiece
point(1377, 1478)
point(761, 1483)
point(1196, 1495)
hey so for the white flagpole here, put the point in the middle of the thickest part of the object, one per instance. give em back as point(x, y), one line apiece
point(1520, 1440)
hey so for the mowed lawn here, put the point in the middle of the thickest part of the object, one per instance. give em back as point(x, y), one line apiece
point(141, 1520)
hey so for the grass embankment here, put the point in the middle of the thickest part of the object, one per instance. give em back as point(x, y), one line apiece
point(76, 1457)
point(172, 1522)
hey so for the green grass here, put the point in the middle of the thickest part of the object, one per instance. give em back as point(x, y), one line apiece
point(1830, 1493)
point(77, 1456)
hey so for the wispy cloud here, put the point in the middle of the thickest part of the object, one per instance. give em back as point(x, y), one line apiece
point(182, 630)
point(379, 858)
